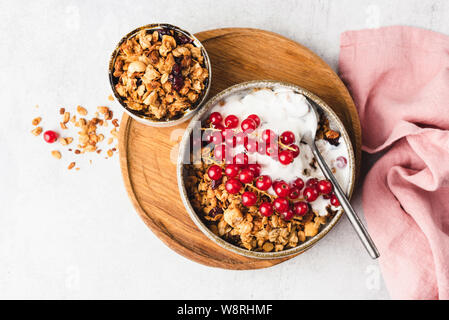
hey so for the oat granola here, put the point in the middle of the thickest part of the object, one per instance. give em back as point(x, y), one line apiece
point(160, 73)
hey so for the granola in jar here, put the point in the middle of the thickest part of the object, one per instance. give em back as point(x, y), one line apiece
point(160, 73)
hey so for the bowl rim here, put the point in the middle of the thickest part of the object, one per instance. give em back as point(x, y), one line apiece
point(145, 120)
point(180, 168)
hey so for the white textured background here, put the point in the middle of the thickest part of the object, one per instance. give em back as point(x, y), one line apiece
point(67, 234)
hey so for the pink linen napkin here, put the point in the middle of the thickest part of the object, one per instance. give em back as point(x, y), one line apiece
point(399, 79)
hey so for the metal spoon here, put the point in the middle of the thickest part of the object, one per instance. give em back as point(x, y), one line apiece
point(309, 138)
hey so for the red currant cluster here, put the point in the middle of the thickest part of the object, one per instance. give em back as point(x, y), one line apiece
point(239, 172)
point(284, 204)
point(237, 176)
point(287, 193)
point(226, 136)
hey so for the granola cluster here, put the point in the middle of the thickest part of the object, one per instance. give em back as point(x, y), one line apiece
point(326, 133)
point(160, 74)
point(88, 138)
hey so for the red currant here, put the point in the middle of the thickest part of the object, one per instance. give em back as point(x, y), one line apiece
point(246, 176)
point(334, 201)
point(294, 193)
point(272, 150)
point(287, 137)
point(229, 160)
point(263, 183)
point(215, 118)
point(298, 183)
point(249, 198)
point(268, 136)
point(248, 125)
point(240, 138)
point(227, 133)
point(214, 172)
point(280, 204)
point(296, 151)
point(275, 182)
point(207, 136)
point(217, 137)
point(233, 186)
point(282, 189)
point(325, 187)
point(311, 194)
point(261, 148)
point(232, 170)
point(287, 215)
point(285, 157)
point(256, 119)
point(251, 145)
point(220, 152)
point(50, 136)
point(241, 159)
point(312, 182)
point(255, 168)
point(231, 121)
point(230, 140)
point(301, 208)
point(266, 209)
point(341, 162)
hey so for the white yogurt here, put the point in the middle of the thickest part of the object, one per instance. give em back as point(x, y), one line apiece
point(285, 110)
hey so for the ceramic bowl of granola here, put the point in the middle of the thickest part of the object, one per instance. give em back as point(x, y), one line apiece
point(160, 74)
point(247, 180)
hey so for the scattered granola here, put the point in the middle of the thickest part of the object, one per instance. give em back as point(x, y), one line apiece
point(66, 117)
point(65, 141)
point(103, 109)
point(56, 154)
point(36, 121)
point(88, 137)
point(82, 111)
point(37, 131)
point(160, 73)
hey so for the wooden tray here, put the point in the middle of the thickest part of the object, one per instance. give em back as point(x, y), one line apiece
point(148, 155)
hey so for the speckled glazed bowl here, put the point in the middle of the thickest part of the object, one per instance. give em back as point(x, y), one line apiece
point(185, 149)
point(140, 117)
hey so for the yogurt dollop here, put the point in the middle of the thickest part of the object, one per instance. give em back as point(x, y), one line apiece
point(285, 110)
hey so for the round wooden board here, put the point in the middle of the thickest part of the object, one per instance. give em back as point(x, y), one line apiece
point(148, 155)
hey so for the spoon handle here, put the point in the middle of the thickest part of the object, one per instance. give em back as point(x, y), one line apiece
point(344, 202)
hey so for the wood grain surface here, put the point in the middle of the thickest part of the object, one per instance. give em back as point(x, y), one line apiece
point(148, 154)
